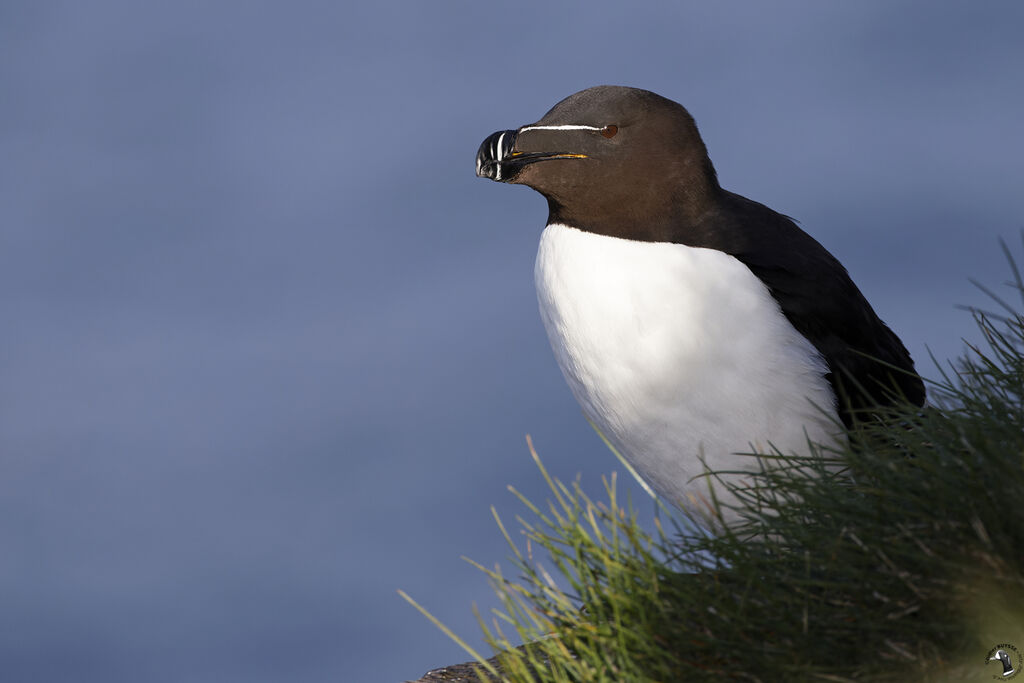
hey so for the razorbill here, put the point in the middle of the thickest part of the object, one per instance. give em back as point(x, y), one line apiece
point(692, 324)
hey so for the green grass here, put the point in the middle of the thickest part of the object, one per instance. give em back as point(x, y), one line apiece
point(900, 558)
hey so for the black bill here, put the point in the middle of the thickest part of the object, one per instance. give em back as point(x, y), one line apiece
point(493, 152)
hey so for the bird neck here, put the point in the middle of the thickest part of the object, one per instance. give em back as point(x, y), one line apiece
point(644, 213)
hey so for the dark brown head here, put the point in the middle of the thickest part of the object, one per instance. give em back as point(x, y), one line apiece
point(609, 157)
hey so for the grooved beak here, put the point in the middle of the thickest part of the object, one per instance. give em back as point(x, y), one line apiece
point(493, 151)
point(496, 160)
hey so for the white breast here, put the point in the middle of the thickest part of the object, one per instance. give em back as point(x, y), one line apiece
point(676, 353)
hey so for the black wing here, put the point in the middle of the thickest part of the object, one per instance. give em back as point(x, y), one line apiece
point(868, 362)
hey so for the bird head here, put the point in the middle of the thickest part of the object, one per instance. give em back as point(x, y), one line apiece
point(605, 154)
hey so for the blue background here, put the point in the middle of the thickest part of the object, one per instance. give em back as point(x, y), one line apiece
point(270, 349)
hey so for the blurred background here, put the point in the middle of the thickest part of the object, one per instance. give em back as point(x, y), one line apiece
point(270, 349)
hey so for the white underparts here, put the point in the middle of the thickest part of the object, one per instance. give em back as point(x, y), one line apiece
point(679, 353)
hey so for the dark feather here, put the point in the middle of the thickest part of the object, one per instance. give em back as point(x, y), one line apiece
point(868, 362)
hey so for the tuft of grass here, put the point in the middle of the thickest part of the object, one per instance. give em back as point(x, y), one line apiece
point(898, 557)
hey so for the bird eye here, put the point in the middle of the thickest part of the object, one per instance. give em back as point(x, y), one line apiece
point(609, 131)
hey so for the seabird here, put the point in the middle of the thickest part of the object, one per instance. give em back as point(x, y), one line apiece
point(691, 323)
